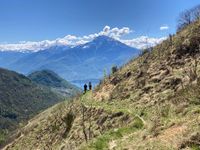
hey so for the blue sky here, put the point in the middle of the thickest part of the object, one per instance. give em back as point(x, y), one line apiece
point(37, 20)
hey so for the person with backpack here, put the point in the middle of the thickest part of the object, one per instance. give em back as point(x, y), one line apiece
point(85, 88)
point(90, 86)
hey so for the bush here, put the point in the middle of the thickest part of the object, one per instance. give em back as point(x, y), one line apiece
point(138, 123)
point(144, 51)
point(2, 137)
point(165, 110)
point(114, 69)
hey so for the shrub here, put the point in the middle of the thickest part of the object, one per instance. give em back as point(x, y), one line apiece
point(114, 69)
point(144, 51)
point(165, 111)
point(2, 137)
point(138, 123)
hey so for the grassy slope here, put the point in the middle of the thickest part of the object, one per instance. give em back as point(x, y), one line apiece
point(159, 91)
point(150, 103)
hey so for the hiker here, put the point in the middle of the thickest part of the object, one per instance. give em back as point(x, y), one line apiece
point(85, 88)
point(90, 86)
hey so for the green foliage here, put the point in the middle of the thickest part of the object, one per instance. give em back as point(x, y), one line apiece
point(195, 147)
point(114, 69)
point(101, 143)
point(2, 137)
point(138, 123)
point(52, 80)
point(49, 78)
point(68, 120)
point(21, 99)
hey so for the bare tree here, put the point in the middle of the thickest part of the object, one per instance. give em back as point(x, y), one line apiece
point(188, 16)
point(185, 19)
point(170, 39)
point(196, 13)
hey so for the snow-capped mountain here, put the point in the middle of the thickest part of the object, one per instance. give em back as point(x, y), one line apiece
point(83, 62)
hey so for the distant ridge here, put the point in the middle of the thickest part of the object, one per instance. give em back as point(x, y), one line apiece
point(51, 79)
point(20, 99)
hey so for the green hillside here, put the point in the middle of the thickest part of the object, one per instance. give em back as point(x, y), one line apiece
point(55, 82)
point(20, 99)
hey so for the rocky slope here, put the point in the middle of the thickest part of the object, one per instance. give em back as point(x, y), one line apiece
point(150, 103)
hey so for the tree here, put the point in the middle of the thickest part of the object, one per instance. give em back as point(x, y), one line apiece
point(104, 73)
point(185, 19)
point(114, 69)
point(196, 12)
point(170, 38)
point(188, 16)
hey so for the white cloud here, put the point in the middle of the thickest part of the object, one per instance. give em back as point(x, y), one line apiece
point(72, 40)
point(106, 29)
point(143, 42)
point(164, 27)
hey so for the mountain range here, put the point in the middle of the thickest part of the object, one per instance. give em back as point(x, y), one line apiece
point(151, 103)
point(76, 64)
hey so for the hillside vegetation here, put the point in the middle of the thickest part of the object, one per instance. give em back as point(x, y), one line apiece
point(52, 80)
point(20, 99)
point(153, 102)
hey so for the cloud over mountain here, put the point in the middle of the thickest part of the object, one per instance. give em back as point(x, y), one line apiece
point(72, 40)
point(143, 42)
